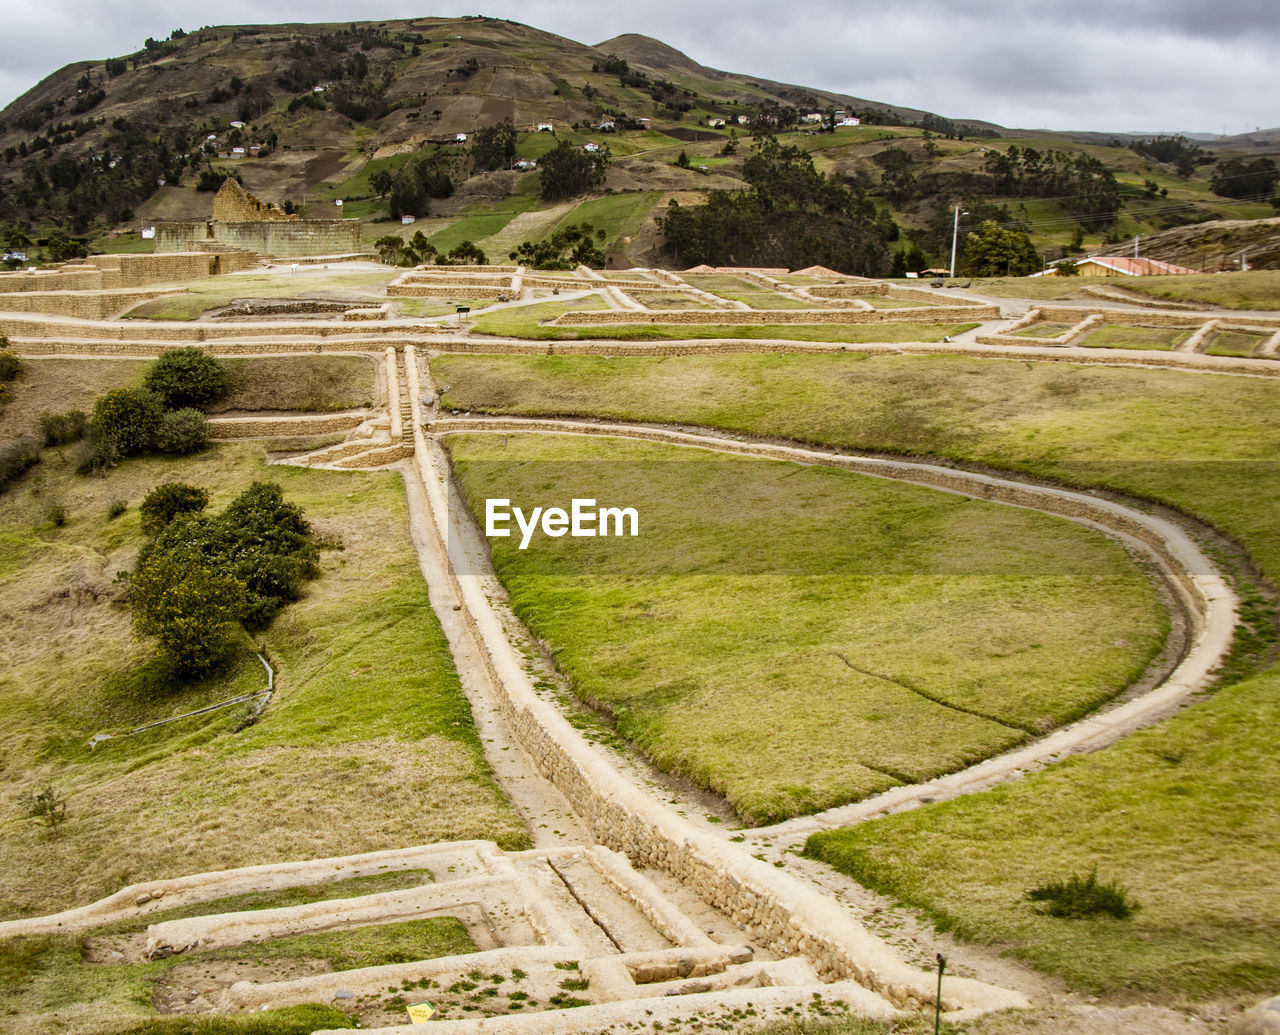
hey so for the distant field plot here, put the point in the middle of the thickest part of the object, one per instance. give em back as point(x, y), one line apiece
point(477, 227)
point(1121, 336)
point(214, 292)
point(1044, 329)
point(1236, 343)
point(528, 322)
point(811, 619)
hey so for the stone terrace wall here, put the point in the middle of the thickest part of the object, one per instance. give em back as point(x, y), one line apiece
point(84, 305)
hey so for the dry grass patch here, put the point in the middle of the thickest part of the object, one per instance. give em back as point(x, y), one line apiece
point(368, 743)
point(315, 384)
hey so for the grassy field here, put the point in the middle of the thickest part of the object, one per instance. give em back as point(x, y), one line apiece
point(1119, 336)
point(367, 744)
point(901, 643)
point(526, 322)
point(1181, 814)
point(1256, 289)
point(1044, 288)
point(477, 226)
point(212, 292)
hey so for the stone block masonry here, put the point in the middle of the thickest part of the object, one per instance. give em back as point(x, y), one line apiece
point(83, 305)
point(274, 238)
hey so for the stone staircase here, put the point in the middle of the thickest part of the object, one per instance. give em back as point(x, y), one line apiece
point(381, 442)
point(552, 928)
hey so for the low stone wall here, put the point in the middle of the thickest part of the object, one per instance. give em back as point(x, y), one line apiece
point(871, 287)
point(226, 428)
point(458, 290)
point(935, 314)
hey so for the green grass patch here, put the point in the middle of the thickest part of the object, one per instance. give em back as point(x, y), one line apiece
point(901, 643)
point(1181, 813)
point(526, 322)
point(1235, 343)
point(618, 215)
point(1043, 329)
point(477, 226)
point(1119, 336)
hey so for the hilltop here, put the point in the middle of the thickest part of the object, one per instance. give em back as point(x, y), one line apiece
point(325, 113)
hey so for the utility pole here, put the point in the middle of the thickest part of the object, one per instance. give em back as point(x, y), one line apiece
point(1135, 246)
point(955, 234)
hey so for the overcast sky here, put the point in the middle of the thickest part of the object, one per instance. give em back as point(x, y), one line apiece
point(1136, 65)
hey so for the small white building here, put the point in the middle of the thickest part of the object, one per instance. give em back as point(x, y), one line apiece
point(546, 127)
point(813, 116)
point(591, 147)
point(238, 152)
point(526, 164)
point(849, 122)
point(237, 125)
point(461, 138)
point(606, 127)
point(406, 220)
point(716, 123)
point(743, 120)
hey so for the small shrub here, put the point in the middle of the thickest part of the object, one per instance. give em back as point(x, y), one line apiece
point(58, 429)
point(10, 365)
point(1079, 897)
point(165, 502)
point(56, 514)
point(96, 457)
point(183, 431)
point(128, 418)
point(16, 457)
point(186, 377)
point(46, 805)
point(115, 508)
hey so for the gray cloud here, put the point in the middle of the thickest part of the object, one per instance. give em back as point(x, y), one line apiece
point(1156, 65)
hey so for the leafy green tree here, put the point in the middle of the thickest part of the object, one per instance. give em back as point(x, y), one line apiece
point(996, 252)
point(494, 147)
point(566, 171)
point(468, 253)
point(567, 248)
point(1066, 268)
point(186, 377)
point(190, 604)
point(168, 500)
point(1238, 178)
point(126, 419)
point(381, 182)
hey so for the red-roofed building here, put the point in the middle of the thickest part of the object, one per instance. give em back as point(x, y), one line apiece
point(1123, 266)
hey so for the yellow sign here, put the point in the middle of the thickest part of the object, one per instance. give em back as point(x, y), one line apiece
point(420, 1013)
